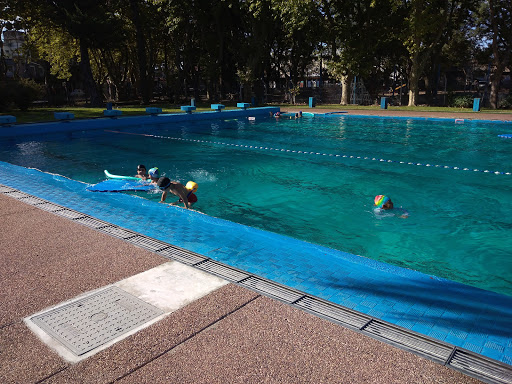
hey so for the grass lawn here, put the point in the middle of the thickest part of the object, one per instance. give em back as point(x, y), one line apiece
point(40, 114)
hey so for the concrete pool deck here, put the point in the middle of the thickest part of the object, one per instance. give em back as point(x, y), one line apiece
point(228, 335)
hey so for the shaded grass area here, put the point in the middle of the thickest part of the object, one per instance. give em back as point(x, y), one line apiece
point(42, 114)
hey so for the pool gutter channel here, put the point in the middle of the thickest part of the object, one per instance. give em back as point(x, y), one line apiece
point(465, 361)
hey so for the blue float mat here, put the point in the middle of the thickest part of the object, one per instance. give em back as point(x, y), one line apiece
point(506, 135)
point(120, 185)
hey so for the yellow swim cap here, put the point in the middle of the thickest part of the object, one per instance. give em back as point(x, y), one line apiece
point(191, 186)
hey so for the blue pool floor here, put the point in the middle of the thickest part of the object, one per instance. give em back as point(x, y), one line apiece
point(468, 317)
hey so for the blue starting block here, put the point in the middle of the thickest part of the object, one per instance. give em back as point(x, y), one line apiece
point(476, 105)
point(112, 112)
point(153, 111)
point(243, 105)
point(188, 108)
point(217, 107)
point(63, 115)
point(7, 119)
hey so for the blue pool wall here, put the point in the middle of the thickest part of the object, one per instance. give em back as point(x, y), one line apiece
point(118, 122)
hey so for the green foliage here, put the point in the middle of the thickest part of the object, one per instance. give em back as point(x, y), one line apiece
point(22, 93)
point(461, 101)
point(57, 47)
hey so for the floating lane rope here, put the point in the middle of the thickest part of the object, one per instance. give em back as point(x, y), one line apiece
point(315, 153)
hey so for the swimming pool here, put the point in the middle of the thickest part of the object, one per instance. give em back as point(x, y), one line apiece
point(315, 178)
point(461, 315)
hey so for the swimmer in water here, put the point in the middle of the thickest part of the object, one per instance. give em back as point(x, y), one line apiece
point(141, 172)
point(178, 189)
point(154, 175)
point(385, 207)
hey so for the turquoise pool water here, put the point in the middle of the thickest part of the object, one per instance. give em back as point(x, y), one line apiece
point(459, 224)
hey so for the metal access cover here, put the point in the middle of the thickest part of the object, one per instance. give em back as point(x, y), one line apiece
point(88, 323)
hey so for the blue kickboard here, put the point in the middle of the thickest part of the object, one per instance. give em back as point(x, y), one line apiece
point(120, 185)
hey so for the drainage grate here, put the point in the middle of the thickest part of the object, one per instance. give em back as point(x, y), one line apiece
point(481, 368)
point(222, 271)
point(88, 323)
point(183, 256)
point(148, 243)
point(408, 340)
point(272, 289)
point(92, 222)
point(333, 312)
point(118, 232)
point(5, 189)
point(34, 200)
point(70, 214)
point(50, 207)
point(18, 195)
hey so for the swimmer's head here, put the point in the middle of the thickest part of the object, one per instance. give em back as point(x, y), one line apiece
point(163, 183)
point(141, 167)
point(192, 186)
point(383, 201)
point(154, 173)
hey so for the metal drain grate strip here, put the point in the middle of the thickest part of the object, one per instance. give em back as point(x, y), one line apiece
point(148, 243)
point(5, 189)
point(183, 256)
point(222, 271)
point(18, 195)
point(408, 340)
point(34, 200)
point(481, 367)
point(272, 289)
point(333, 312)
point(92, 222)
point(90, 322)
point(117, 232)
point(50, 207)
point(70, 214)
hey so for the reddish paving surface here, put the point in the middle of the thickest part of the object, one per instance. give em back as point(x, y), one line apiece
point(232, 335)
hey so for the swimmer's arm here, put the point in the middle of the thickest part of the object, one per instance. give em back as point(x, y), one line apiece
point(185, 201)
point(164, 196)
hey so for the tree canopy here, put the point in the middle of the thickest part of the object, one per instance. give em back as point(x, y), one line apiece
point(240, 48)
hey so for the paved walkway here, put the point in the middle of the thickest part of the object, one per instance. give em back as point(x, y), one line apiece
point(230, 335)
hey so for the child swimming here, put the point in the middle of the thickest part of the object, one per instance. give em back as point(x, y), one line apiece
point(385, 207)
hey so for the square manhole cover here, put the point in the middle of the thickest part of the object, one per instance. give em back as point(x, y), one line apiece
point(88, 323)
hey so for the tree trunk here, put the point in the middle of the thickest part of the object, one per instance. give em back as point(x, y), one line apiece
point(413, 80)
point(144, 87)
point(86, 74)
point(345, 91)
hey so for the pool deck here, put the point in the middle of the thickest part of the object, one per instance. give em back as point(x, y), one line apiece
point(224, 334)
point(231, 335)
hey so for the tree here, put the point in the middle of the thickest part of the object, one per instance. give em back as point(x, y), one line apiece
point(495, 26)
point(93, 23)
point(430, 24)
